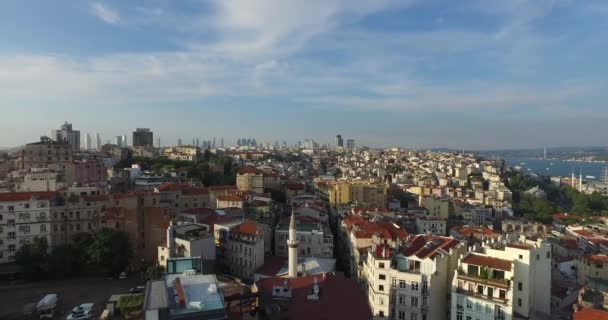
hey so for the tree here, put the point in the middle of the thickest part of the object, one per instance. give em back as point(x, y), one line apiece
point(110, 250)
point(155, 272)
point(66, 260)
point(32, 257)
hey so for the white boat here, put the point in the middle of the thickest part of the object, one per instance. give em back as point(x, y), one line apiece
point(590, 177)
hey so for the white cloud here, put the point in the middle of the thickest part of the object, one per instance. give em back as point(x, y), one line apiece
point(105, 13)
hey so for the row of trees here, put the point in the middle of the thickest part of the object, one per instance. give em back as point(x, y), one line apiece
point(108, 252)
point(199, 170)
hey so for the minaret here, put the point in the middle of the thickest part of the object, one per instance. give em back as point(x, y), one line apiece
point(580, 182)
point(292, 243)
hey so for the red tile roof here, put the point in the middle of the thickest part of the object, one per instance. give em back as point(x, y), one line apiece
point(585, 313)
point(426, 246)
point(468, 231)
point(229, 197)
point(339, 298)
point(596, 258)
point(222, 188)
point(484, 261)
point(26, 196)
point(384, 230)
point(247, 228)
point(250, 170)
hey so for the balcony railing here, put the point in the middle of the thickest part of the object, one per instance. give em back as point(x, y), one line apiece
point(502, 283)
point(481, 296)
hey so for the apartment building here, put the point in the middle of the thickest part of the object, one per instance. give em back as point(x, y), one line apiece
point(355, 192)
point(430, 225)
point(183, 153)
point(250, 179)
point(45, 152)
point(316, 240)
point(230, 201)
point(411, 281)
point(245, 250)
point(503, 280)
point(592, 268)
point(187, 240)
point(436, 206)
point(23, 217)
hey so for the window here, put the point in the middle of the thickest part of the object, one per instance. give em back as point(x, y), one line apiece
point(381, 314)
point(414, 316)
point(381, 288)
point(519, 302)
point(490, 292)
point(414, 286)
point(548, 254)
point(459, 316)
point(12, 248)
point(382, 277)
point(401, 315)
point(401, 300)
point(43, 228)
point(24, 229)
point(480, 289)
point(402, 284)
point(11, 236)
point(537, 257)
point(469, 305)
point(520, 286)
point(425, 301)
point(414, 301)
point(502, 294)
point(10, 222)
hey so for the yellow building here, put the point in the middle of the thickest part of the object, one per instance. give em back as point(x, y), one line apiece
point(360, 193)
point(437, 206)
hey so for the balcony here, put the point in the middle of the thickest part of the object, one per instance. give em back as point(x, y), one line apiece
point(481, 296)
point(497, 282)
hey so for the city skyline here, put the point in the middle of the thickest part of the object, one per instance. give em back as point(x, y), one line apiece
point(472, 75)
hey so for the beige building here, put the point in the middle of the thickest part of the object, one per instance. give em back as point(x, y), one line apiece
point(46, 152)
point(436, 206)
point(187, 240)
point(592, 268)
point(411, 282)
point(183, 153)
point(250, 179)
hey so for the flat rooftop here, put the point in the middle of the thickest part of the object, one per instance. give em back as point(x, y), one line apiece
point(201, 293)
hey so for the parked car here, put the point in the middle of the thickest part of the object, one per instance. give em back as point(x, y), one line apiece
point(80, 315)
point(138, 289)
point(83, 307)
point(122, 275)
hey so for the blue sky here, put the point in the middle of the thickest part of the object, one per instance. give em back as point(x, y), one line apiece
point(413, 73)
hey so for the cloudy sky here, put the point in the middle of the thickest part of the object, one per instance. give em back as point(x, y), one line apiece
point(413, 73)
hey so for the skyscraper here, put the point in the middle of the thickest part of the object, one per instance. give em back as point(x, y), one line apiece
point(66, 134)
point(124, 141)
point(88, 142)
point(179, 142)
point(119, 141)
point(97, 141)
point(350, 143)
point(339, 141)
point(143, 137)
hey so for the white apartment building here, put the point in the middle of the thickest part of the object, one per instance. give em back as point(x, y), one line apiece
point(23, 217)
point(315, 239)
point(430, 225)
point(187, 240)
point(503, 280)
point(411, 282)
